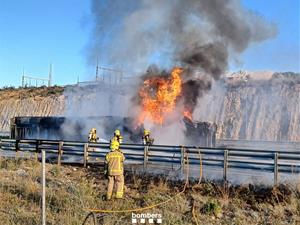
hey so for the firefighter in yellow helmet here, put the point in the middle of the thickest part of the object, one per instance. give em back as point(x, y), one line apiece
point(117, 137)
point(115, 170)
point(93, 135)
point(146, 138)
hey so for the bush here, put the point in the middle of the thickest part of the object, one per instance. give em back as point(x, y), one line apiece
point(8, 88)
point(212, 207)
point(55, 170)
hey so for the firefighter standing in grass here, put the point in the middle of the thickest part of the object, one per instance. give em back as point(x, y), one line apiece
point(115, 170)
point(93, 135)
point(146, 138)
point(117, 137)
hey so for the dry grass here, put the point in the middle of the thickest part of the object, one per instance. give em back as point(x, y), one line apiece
point(27, 92)
point(71, 190)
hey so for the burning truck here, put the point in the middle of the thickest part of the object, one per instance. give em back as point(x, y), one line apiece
point(163, 99)
point(53, 128)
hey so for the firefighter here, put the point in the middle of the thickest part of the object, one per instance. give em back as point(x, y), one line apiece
point(93, 135)
point(146, 138)
point(114, 170)
point(117, 137)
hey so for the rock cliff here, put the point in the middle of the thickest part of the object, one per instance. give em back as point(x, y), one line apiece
point(253, 108)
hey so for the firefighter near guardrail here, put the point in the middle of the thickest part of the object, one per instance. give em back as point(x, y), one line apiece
point(169, 158)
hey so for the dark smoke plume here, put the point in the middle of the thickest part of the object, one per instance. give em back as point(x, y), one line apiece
point(192, 90)
point(199, 33)
point(212, 58)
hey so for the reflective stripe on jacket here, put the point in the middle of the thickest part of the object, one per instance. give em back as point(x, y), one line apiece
point(114, 160)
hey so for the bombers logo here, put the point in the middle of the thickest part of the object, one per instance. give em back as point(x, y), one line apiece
point(146, 217)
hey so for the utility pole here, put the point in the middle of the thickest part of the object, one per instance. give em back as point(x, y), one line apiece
point(50, 76)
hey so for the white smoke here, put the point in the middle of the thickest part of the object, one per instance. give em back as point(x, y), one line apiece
point(85, 104)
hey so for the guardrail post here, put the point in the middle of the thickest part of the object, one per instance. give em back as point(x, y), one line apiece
point(182, 160)
point(225, 165)
point(146, 148)
point(37, 143)
point(200, 166)
point(85, 154)
point(275, 168)
point(17, 148)
point(60, 152)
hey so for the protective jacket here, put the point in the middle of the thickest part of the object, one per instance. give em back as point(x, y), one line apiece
point(115, 163)
point(147, 140)
point(117, 138)
point(93, 136)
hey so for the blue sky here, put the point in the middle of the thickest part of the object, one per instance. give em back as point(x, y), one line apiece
point(34, 33)
point(283, 52)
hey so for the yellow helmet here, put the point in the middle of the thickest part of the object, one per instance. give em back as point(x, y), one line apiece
point(117, 132)
point(146, 132)
point(93, 130)
point(114, 145)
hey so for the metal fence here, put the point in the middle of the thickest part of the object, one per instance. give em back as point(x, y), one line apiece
point(259, 161)
point(258, 144)
point(4, 134)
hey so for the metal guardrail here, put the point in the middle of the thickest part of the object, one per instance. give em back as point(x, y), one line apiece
point(4, 134)
point(258, 144)
point(274, 161)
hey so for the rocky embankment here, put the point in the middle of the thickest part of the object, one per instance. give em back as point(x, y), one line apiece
point(41, 101)
point(255, 108)
point(243, 105)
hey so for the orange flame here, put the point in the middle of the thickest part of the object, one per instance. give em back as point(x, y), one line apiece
point(158, 97)
point(187, 114)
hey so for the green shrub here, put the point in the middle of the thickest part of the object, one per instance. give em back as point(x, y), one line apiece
point(212, 207)
point(55, 170)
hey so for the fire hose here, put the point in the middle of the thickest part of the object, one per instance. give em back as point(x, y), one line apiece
point(92, 212)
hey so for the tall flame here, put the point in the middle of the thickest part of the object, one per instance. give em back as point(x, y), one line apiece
point(158, 96)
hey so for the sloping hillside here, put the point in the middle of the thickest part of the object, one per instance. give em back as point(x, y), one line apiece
point(41, 101)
